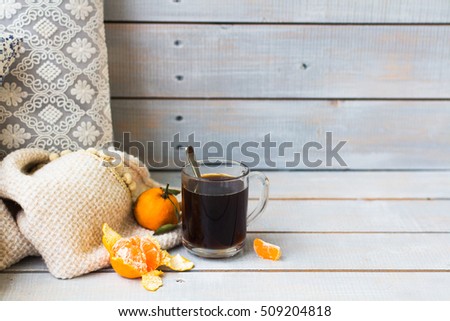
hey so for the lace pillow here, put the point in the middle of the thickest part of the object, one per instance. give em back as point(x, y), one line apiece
point(56, 96)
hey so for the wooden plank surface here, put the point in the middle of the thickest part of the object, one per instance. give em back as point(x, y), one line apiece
point(328, 252)
point(346, 185)
point(285, 11)
point(410, 263)
point(333, 217)
point(243, 286)
point(379, 134)
point(354, 216)
point(285, 61)
point(28, 264)
point(337, 252)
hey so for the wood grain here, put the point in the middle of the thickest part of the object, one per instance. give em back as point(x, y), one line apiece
point(244, 286)
point(379, 134)
point(338, 185)
point(285, 61)
point(276, 11)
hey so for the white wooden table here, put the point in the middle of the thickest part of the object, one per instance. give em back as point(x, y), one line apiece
point(344, 236)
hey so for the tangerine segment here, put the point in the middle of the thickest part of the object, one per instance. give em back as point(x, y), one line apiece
point(152, 250)
point(266, 250)
point(125, 270)
point(130, 252)
point(132, 257)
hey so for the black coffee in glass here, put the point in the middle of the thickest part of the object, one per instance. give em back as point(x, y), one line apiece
point(215, 213)
point(215, 207)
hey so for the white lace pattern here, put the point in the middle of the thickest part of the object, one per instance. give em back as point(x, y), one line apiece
point(57, 93)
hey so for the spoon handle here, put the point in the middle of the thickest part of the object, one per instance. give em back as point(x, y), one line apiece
point(191, 159)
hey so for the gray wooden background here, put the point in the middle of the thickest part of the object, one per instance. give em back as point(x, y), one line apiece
point(374, 73)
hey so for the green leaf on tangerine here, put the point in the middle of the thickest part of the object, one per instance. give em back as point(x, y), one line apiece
point(165, 228)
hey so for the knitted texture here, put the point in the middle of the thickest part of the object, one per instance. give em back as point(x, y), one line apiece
point(13, 245)
point(66, 200)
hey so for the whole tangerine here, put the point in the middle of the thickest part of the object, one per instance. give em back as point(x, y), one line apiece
point(157, 207)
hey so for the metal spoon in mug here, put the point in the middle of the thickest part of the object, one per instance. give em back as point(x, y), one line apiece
point(191, 160)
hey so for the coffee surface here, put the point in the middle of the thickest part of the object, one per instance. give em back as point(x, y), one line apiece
point(215, 212)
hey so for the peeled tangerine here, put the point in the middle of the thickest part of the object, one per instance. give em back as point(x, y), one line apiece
point(138, 256)
point(266, 250)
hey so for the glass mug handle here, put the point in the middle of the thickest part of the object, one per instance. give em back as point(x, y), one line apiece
point(264, 197)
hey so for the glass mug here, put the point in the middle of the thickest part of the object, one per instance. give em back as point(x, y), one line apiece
point(215, 211)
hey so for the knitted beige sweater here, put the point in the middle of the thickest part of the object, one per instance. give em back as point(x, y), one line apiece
point(65, 201)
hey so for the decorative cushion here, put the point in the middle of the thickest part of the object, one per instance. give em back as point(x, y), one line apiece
point(56, 96)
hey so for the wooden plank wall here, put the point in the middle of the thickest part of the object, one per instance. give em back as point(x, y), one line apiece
point(376, 74)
